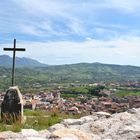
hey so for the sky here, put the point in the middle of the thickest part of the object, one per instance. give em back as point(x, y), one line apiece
point(72, 31)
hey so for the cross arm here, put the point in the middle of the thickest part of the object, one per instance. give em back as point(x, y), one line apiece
point(14, 49)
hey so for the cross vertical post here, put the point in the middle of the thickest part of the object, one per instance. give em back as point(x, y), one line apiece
point(14, 49)
point(13, 69)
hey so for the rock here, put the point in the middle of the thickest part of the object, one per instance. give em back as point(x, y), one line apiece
point(77, 133)
point(99, 127)
point(56, 127)
point(44, 133)
point(29, 132)
point(69, 138)
point(103, 114)
point(35, 138)
point(87, 119)
point(138, 136)
point(72, 122)
point(125, 116)
point(81, 124)
point(85, 123)
point(12, 106)
point(54, 137)
point(132, 111)
point(120, 126)
point(8, 135)
point(84, 127)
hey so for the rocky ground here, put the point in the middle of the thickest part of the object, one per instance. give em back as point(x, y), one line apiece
point(99, 126)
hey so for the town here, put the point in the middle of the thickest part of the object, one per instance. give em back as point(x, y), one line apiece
point(82, 104)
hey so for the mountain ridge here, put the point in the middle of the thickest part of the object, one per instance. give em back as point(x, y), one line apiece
point(6, 61)
point(81, 73)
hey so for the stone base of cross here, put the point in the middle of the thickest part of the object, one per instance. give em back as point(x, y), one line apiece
point(12, 106)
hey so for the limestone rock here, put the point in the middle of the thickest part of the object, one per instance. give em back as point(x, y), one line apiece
point(69, 138)
point(120, 126)
point(56, 127)
point(72, 122)
point(103, 114)
point(87, 119)
point(35, 138)
point(8, 135)
point(77, 133)
point(29, 132)
point(132, 111)
point(98, 127)
point(45, 133)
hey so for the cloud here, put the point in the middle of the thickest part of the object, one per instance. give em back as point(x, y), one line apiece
point(28, 29)
point(58, 32)
point(65, 20)
point(124, 50)
point(128, 6)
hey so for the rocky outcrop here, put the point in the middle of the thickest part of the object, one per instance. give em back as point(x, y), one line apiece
point(99, 126)
point(75, 134)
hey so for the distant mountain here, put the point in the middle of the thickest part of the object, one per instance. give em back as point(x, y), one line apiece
point(92, 72)
point(82, 73)
point(6, 61)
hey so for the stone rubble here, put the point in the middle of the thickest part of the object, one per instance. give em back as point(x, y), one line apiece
point(99, 126)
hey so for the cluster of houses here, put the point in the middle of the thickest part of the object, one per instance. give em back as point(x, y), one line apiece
point(81, 105)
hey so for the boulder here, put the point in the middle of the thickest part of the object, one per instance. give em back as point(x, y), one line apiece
point(99, 127)
point(8, 135)
point(132, 111)
point(29, 132)
point(56, 127)
point(72, 122)
point(120, 126)
point(45, 133)
point(88, 119)
point(35, 138)
point(123, 126)
point(75, 133)
point(69, 138)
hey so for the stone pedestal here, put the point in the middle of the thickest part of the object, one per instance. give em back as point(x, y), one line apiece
point(12, 106)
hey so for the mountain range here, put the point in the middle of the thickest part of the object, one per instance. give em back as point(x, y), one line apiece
point(6, 61)
point(30, 73)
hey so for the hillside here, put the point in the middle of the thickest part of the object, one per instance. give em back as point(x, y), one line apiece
point(74, 73)
point(6, 61)
point(94, 72)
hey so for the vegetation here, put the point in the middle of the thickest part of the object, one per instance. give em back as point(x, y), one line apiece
point(123, 93)
point(73, 80)
point(83, 73)
point(84, 90)
point(37, 120)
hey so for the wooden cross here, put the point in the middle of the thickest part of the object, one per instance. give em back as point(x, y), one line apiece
point(14, 53)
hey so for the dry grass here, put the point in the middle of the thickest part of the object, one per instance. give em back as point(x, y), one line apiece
point(37, 120)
